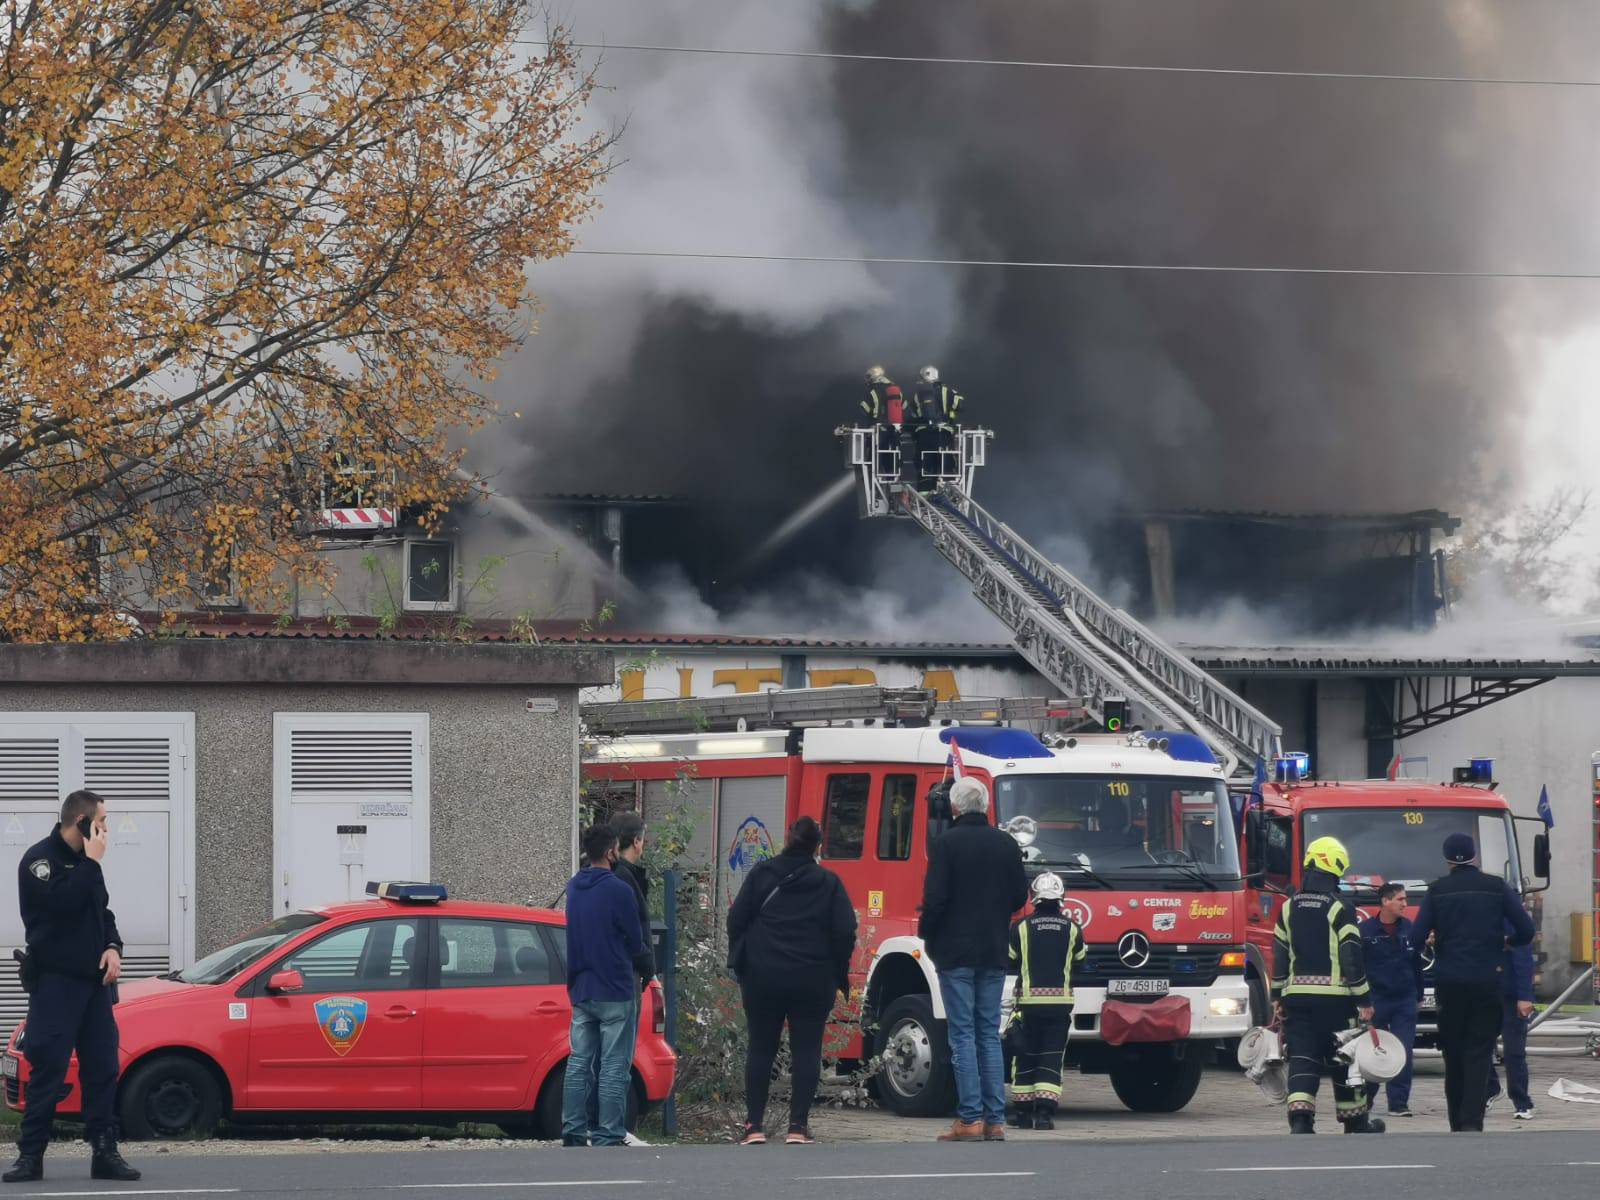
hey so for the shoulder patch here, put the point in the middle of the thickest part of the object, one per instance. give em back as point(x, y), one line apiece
point(39, 868)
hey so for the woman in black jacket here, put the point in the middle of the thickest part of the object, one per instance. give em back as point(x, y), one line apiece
point(791, 933)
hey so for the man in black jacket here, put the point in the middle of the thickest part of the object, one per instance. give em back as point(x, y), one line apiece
point(975, 883)
point(1468, 913)
point(74, 958)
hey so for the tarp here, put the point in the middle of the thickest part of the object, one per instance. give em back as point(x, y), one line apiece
point(1164, 1020)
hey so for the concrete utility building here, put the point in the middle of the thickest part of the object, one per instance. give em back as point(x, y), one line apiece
point(247, 777)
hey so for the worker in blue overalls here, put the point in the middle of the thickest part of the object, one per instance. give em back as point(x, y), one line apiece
point(1394, 969)
point(1516, 991)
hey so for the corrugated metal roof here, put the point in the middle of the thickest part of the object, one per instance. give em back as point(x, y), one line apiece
point(1422, 518)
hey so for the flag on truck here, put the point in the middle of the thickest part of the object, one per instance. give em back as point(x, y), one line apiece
point(1545, 813)
point(957, 767)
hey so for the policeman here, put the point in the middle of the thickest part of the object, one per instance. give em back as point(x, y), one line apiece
point(1319, 978)
point(936, 408)
point(1044, 946)
point(70, 970)
point(1469, 914)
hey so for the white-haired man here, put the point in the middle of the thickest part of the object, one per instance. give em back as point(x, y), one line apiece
point(975, 883)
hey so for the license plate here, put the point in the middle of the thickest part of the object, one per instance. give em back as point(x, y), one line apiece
point(1138, 987)
point(8, 1067)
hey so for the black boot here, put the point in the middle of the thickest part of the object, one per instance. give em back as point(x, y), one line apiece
point(29, 1168)
point(1302, 1122)
point(1043, 1116)
point(1020, 1118)
point(107, 1163)
point(1364, 1124)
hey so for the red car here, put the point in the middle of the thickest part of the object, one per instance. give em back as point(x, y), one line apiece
point(389, 1009)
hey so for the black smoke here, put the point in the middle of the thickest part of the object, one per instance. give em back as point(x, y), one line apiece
point(1109, 389)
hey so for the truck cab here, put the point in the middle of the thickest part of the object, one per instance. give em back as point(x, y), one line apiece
point(1394, 830)
point(1140, 828)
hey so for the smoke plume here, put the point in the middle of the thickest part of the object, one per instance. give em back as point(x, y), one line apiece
point(721, 380)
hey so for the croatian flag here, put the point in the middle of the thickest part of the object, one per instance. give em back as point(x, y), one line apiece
point(1546, 814)
point(957, 767)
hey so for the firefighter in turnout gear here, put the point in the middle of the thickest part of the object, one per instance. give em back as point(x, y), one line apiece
point(936, 409)
point(1044, 946)
point(884, 407)
point(1319, 979)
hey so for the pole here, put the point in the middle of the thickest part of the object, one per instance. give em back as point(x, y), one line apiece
point(669, 982)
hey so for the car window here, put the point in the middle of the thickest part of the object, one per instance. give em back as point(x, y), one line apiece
point(896, 810)
point(373, 955)
point(844, 819)
point(493, 954)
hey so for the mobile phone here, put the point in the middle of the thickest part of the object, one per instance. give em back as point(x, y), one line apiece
point(86, 827)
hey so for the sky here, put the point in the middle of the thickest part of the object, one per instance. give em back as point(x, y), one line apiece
point(720, 380)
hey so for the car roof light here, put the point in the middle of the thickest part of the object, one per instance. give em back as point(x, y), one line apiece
point(411, 893)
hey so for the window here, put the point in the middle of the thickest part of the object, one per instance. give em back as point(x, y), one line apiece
point(844, 821)
point(430, 576)
point(493, 954)
point(372, 956)
point(896, 811)
point(1280, 847)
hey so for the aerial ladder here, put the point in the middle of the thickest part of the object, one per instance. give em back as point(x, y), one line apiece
point(1078, 642)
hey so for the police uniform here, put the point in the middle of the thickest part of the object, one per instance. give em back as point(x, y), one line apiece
point(1044, 947)
point(1319, 974)
point(69, 924)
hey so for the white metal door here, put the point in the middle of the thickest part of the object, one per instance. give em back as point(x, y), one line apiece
point(350, 804)
point(142, 764)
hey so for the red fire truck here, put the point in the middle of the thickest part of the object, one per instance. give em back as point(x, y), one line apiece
point(1140, 827)
point(1394, 830)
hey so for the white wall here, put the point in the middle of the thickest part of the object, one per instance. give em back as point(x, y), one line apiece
point(1541, 737)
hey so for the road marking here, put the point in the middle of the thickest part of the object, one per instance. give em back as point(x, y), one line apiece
point(138, 1192)
point(527, 1183)
point(929, 1175)
point(1335, 1167)
point(1584, 1164)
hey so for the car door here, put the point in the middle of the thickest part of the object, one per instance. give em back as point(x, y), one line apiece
point(351, 1038)
point(497, 1015)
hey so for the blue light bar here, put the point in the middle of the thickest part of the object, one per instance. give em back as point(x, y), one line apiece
point(1482, 769)
point(411, 893)
point(996, 743)
point(1182, 745)
point(1292, 767)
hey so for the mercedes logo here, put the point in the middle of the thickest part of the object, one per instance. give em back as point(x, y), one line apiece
point(1427, 958)
point(1134, 949)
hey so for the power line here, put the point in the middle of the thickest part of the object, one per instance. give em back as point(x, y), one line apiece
point(1396, 77)
point(1006, 264)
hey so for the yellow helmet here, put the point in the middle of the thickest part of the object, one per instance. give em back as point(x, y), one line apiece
point(1328, 854)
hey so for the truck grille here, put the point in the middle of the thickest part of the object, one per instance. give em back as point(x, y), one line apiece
point(1192, 968)
point(13, 1091)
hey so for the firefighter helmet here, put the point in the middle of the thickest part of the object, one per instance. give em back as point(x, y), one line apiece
point(876, 375)
point(1328, 854)
point(1048, 886)
point(929, 374)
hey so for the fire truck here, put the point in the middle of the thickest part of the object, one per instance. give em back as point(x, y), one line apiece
point(1394, 830)
point(1139, 826)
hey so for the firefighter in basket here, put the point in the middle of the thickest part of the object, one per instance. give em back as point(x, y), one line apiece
point(1319, 980)
point(1044, 945)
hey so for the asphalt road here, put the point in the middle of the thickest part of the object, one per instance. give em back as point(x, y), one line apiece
point(1330, 1167)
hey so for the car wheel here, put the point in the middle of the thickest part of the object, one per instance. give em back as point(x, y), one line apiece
point(547, 1113)
point(1152, 1081)
point(916, 1079)
point(168, 1098)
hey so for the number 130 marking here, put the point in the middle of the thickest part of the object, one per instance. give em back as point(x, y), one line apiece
point(1413, 818)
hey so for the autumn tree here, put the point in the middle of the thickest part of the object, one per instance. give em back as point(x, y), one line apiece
point(244, 243)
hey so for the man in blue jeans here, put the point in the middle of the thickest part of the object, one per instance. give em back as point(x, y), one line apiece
point(603, 946)
point(975, 883)
point(1516, 1005)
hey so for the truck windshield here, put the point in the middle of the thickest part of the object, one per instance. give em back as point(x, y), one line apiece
point(1125, 824)
point(222, 965)
point(1407, 844)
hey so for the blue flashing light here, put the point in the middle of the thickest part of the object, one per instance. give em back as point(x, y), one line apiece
point(995, 742)
point(1292, 767)
point(1481, 769)
point(411, 893)
point(1184, 746)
